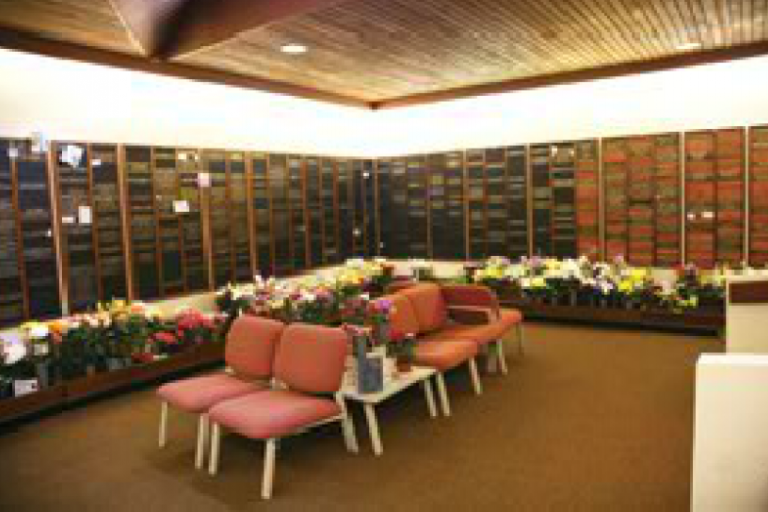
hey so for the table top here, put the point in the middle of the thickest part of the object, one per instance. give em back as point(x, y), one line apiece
point(400, 382)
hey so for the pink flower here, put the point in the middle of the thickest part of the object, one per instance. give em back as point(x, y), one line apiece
point(166, 338)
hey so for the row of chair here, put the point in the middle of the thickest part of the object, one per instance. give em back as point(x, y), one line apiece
point(282, 380)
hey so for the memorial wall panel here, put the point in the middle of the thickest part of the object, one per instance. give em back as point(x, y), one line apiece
point(758, 195)
point(346, 207)
point(418, 207)
point(730, 217)
point(562, 175)
point(238, 215)
point(166, 182)
point(497, 201)
point(668, 205)
point(281, 221)
point(314, 206)
point(329, 197)
point(12, 287)
point(190, 165)
point(476, 204)
point(542, 201)
point(517, 202)
point(143, 228)
point(296, 204)
point(587, 199)
point(73, 180)
point(262, 214)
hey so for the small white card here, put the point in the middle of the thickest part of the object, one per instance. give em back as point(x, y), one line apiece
point(181, 206)
point(13, 153)
point(25, 387)
point(85, 215)
point(95, 162)
point(68, 220)
point(204, 180)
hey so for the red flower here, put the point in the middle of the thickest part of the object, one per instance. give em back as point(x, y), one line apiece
point(166, 338)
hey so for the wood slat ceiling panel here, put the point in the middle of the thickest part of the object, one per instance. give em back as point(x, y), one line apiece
point(88, 22)
point(376, 50)
point(382, 50)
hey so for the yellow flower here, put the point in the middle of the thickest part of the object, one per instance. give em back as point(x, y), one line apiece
point(538, 282)
point(626, 286)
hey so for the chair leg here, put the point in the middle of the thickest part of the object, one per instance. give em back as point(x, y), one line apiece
point(520, 339)
point(475, 377)
point(269, 469)
point(490, 359)
point(213, 464)
point(202, 437)
point(163, 436)
point(502, 359)
point(443, 394)
point(347, 427)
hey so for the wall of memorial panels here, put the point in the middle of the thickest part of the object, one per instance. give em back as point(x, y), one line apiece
point(758, 195)
point(13, 300)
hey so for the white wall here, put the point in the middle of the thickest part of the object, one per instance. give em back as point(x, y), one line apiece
point(716, 95)
point(730, 458)
point(70, 100)
point(744, 322)
point(76, 101)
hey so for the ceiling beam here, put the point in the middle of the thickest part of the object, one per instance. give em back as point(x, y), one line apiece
point(199, 24)
point(149, 22)
point(583, 75)
point(20, 41)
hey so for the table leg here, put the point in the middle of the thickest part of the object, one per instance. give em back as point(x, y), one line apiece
point(373, 428)
point(427, 385)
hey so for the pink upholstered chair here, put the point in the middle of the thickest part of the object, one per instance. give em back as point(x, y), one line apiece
point(475, 315)
point(309, 365)
point(249, 353)
point(476, 309)
point(421, 316)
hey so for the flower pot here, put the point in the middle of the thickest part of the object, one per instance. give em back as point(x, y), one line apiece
point(44, 374)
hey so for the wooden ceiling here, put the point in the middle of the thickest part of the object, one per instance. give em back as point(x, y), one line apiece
point(395, 52)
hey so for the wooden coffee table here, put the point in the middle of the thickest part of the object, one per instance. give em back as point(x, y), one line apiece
point(402, 381)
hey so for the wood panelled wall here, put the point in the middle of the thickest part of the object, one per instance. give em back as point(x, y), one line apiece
point(151, 222)
point(134, 221)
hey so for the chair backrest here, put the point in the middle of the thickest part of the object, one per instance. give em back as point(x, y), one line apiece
point(471, 295)
point(403, 319)
point(428, 303)
point(251, 343)
point(399, 285)
point(310, 358)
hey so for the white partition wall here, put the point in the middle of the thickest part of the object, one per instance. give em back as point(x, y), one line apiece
point(746, 321)
point(730, 460)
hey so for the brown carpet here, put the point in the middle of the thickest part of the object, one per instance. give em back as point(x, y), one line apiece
point(588, 420)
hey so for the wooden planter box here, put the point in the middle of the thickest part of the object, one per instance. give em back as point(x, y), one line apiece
point(211, 353)
point(98, 383)
point(709, 320)
point(12, 408)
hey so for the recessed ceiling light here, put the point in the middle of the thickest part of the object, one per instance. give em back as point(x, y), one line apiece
point(293, 49)
point(688, 46)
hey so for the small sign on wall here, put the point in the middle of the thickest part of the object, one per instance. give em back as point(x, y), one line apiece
point(181, 206)
point(204, 180)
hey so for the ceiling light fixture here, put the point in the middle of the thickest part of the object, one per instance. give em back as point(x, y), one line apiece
point(688, 46)
point(293, 49)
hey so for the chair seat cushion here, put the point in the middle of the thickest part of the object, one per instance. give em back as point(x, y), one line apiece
point(199, 394)
point(273, 413)
point(445, 354)
point(481, 334)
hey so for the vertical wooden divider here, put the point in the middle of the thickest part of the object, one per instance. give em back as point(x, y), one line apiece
point(377, 209)
point(180, 220)
point(56, 230)
point(529, 194)
point(251, 213)
point(125, 219)
point(600, 200)
point(94, 227)
point(307, 222)
point(271, 214)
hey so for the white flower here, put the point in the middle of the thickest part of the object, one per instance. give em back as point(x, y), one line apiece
point(355, 263)
point(525, 282)
point(14, 352)
point(39, 332)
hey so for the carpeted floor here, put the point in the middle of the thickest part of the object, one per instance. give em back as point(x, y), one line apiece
point(589, 419)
